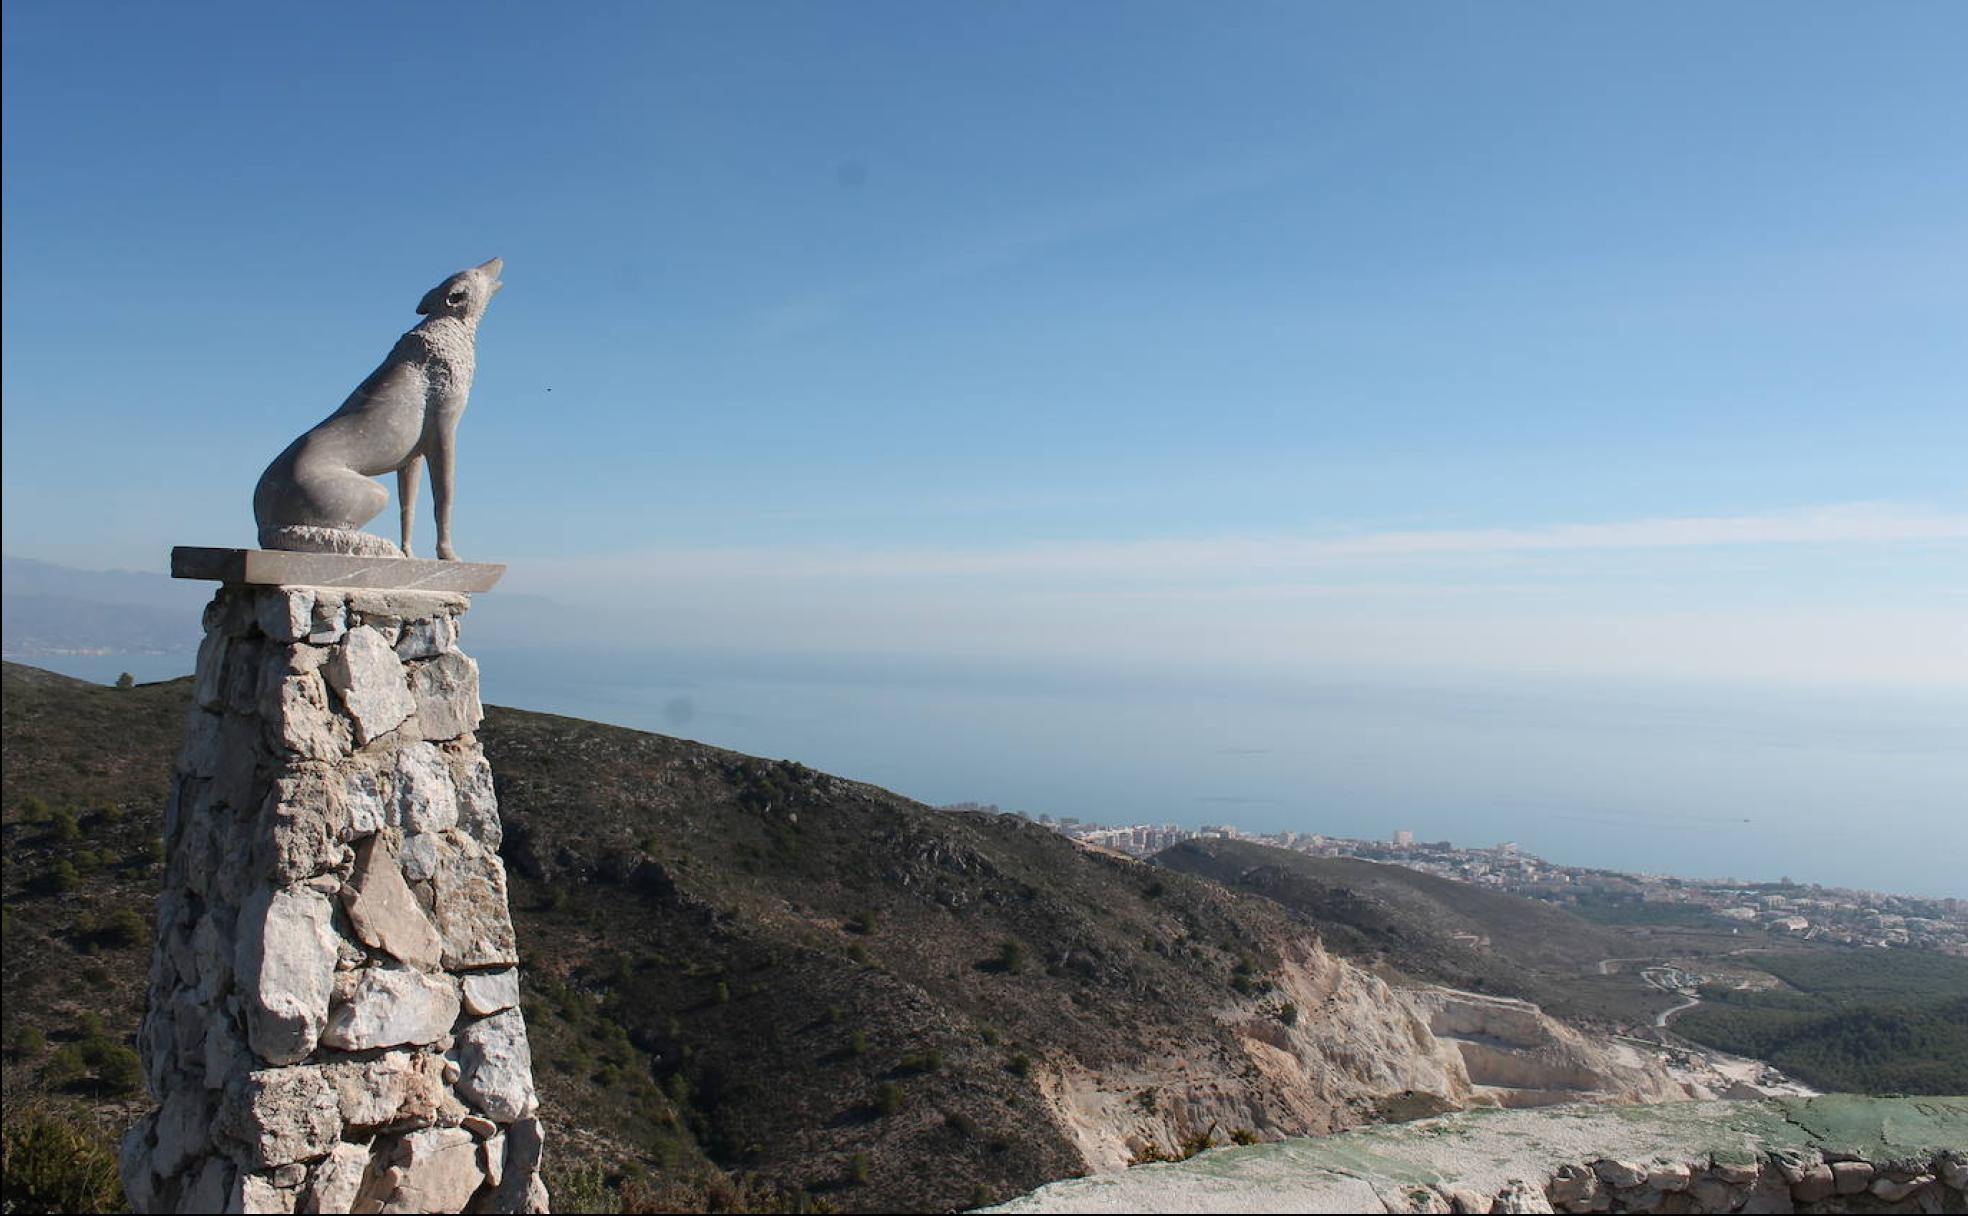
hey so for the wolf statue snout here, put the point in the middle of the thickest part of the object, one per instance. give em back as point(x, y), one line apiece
point(317, 495)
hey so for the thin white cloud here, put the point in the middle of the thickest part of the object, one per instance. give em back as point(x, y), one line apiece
point(1184, 559)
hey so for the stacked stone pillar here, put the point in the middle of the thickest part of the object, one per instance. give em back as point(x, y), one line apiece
point(333, 1021)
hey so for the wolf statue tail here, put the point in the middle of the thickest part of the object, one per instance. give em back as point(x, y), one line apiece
point(307, 538)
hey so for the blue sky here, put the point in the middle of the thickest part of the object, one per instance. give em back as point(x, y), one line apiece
point(1575, 342)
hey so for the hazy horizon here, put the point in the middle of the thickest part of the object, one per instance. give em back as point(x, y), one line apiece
point(1699, 780)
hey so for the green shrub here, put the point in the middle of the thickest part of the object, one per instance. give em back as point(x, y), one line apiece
point(61, 877)
point(126, 680)
point(1019, 1065)
point(1011, 956)
point(927, 1060)
point(857, 1044)
point(52, 1161)
point(858, 1168)
point(888, 1098)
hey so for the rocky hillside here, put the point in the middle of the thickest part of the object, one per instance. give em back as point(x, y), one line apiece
point(752, 984)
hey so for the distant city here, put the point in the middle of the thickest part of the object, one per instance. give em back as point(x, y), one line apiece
point(1804, 911)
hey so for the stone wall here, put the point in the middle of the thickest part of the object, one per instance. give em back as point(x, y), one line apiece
point(333, 1021)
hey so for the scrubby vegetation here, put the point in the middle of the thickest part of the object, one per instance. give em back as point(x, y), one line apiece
point(1864, 1021)
point(55, 1158)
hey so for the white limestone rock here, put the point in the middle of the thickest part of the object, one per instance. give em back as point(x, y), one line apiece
point(286, 614)
point(293, 706)
point(336, 1179)
point(242, 675)
point(497, 1067)
point(478, 803)
point(199, 756)
point(391, 1007)
point(225, 1054)
point(208, 687)
point(275, 1116)
point(301, 825)
point(425, 800)
point(382, 911)
point(285, 959)
point(437, 1171)
point(397, 1089)
point(362, 797)
point(255, 1194)
point(368, 677)
point(329, 619)
point(133, 1165)
point(446, 690)
point(489, 992)
point(426, 638)
point(208, 1192)
point(519, 1188)
point(1521, 1197)
point(469, 902)
point(183, 1130)
point(418, 857)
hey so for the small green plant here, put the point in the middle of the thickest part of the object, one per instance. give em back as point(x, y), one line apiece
point(857, 1044)
point(126, 680)
point(1019, 1065)
point(929, 1059)
point(53, 1161)
point(888, 1098)
point(1289, 1014)
point(1011, 956)
point(1244, 1135)
point(721, 995)
point(858, 1169)
point(61, 877)
point(862, 922)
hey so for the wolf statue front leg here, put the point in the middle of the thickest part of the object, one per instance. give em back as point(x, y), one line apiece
point(317, 495)
point(406, 498)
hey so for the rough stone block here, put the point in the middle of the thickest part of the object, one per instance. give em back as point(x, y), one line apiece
point(437, 1171)
point(469, 904)
point(368, 677)
point(497, 1066)
point(425, 800)
point(286, 959)
point(382, 911)
point(391, 1007)
point(396, 1090)
point(478, 803)
point(275, 1116)
point(489, 992)
point(446, 690)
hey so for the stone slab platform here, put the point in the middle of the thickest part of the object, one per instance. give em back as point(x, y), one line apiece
point(281, 568)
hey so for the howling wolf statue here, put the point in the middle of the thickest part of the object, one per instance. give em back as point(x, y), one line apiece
point(318, 493)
